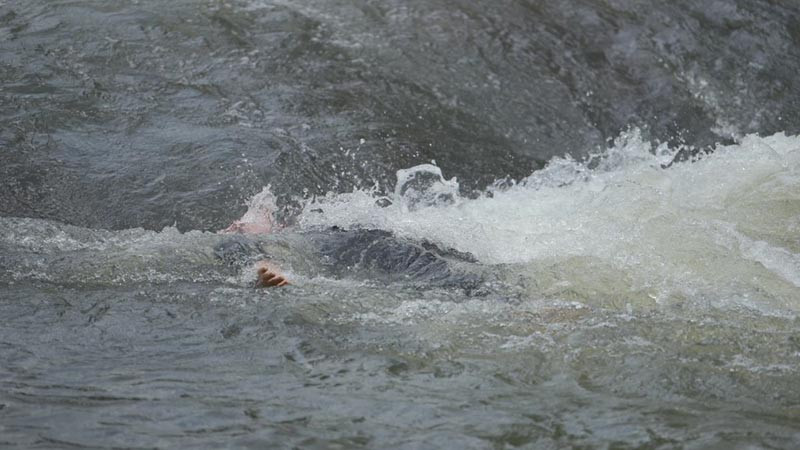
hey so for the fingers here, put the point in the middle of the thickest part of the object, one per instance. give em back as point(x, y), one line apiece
point(266, 278)
point(270, 279)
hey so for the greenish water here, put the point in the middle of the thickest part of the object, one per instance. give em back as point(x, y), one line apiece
point(620, 302)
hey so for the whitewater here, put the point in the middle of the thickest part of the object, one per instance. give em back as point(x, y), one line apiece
point(505, 223)
point(625, 221)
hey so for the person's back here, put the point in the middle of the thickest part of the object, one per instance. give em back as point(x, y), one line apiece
point(373, 255)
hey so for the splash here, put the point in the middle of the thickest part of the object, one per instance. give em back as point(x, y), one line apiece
point(259, 217)
point(723, 226)
point(424, 186)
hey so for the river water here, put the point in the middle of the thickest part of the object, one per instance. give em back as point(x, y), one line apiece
point(625, 176)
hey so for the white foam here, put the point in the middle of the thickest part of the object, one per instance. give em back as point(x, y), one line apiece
point(621, 209)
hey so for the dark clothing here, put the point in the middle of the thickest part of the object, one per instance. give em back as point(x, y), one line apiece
point(374, 255)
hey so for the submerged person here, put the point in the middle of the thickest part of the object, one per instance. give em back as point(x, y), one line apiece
point(259, 220)
point(374, 255)
point(267, 274)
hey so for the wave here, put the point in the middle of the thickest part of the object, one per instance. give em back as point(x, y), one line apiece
point(624, 228)
point(722, 227)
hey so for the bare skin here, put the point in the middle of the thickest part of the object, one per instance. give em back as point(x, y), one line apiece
point(248, 228)
point(267, 275)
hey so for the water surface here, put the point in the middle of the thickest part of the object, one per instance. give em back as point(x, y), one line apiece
point(625, 178)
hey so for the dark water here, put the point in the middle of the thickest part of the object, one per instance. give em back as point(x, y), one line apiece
point(120, 114)
point(622, 305)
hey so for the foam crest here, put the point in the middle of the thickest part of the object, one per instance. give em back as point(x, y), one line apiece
point(726, 219)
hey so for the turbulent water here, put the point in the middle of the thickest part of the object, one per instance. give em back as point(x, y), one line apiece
point(621, 178)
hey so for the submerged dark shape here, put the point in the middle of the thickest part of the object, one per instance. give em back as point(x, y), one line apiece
point(373, 255)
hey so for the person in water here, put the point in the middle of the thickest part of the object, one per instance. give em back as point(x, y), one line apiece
point(367, 254)
point(259, 221)
point(374, 255)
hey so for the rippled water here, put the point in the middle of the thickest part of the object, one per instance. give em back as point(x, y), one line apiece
point(622, 180)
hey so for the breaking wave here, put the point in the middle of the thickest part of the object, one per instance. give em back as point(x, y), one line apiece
point(722, 226)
